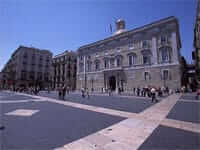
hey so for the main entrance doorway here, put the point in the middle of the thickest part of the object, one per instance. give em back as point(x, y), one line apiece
point(112, 83)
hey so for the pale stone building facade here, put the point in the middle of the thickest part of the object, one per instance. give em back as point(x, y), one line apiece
point(148, 55)
point(64, 70)
point(28, 66)
point(196, 52)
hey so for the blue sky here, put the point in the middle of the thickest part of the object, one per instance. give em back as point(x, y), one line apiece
point(59, 25)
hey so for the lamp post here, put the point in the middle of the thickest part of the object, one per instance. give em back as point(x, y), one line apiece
point(1, 119)
point(81, 82)
point(92, 80)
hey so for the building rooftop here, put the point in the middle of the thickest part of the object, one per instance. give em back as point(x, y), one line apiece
point(139, 29)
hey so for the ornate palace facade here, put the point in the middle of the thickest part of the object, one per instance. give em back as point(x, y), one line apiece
point(148, 55)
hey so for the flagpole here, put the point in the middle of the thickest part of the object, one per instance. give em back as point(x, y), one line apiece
point(111, 28)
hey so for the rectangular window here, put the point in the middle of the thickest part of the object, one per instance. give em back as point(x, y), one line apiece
point(165, 55)
point(97, 65)
point(146, 60)
point(130, 60)
point(105, 64)
point(81, 67)
point(163, 39)
point(39, 75)
point(118, 62)
point(89, 66)
point(145, 44)
point(147, 76)
point(165, 74)
point(81, 57)
point(23, 75)
point(112, 62)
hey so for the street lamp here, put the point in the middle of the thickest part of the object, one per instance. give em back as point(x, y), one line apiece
point(92, 80)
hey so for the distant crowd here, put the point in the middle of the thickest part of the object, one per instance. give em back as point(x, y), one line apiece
point(148, 91)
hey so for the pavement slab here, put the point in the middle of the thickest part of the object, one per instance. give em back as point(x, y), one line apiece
point(188, 126)
point(189, 96)
point(171, 138)
point(185, 111)
point(52, 127)
point(15, 97)
point(133, 105)
point(95, 126)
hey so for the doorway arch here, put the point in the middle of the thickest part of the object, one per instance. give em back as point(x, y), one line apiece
point(112, 83)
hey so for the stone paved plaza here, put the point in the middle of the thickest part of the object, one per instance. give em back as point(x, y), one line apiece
point(99, 123)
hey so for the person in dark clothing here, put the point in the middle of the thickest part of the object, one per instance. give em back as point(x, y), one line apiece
point(64, 92)
point(138, 91)
point(197, 94)
point(83, 92)
point(133, 91)
point(59, 92)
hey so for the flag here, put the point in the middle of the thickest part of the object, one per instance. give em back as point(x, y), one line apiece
point(110, 28)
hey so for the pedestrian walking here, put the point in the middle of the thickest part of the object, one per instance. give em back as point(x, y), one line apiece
point(59, 92)
point(87, 93)
point(68, 88)
point(48, 89)
point(109, 92)
point(133, 91)
point(153, 94)
point(83, 92)
point(197, 94)
point(138, 91)
point(64, 92)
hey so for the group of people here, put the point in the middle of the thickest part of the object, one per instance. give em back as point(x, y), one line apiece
point(85, 92)
point(146, 91)
point(30, 90)
point(62, 90)
point(152, 91)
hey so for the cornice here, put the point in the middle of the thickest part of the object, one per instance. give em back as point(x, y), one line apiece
point(129, 33)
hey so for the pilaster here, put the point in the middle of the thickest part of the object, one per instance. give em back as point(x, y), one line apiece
point(154, 51)
point(174, 48)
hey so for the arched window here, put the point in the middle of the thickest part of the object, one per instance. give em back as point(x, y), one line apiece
point(165, 54)
point(97, 65)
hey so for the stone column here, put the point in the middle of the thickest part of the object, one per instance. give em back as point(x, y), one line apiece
point(77, 65)
point(84, 70)
point(115, 62)
point(154, 51)
point(174, 48)
point(117, 84)
point(109, 65)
